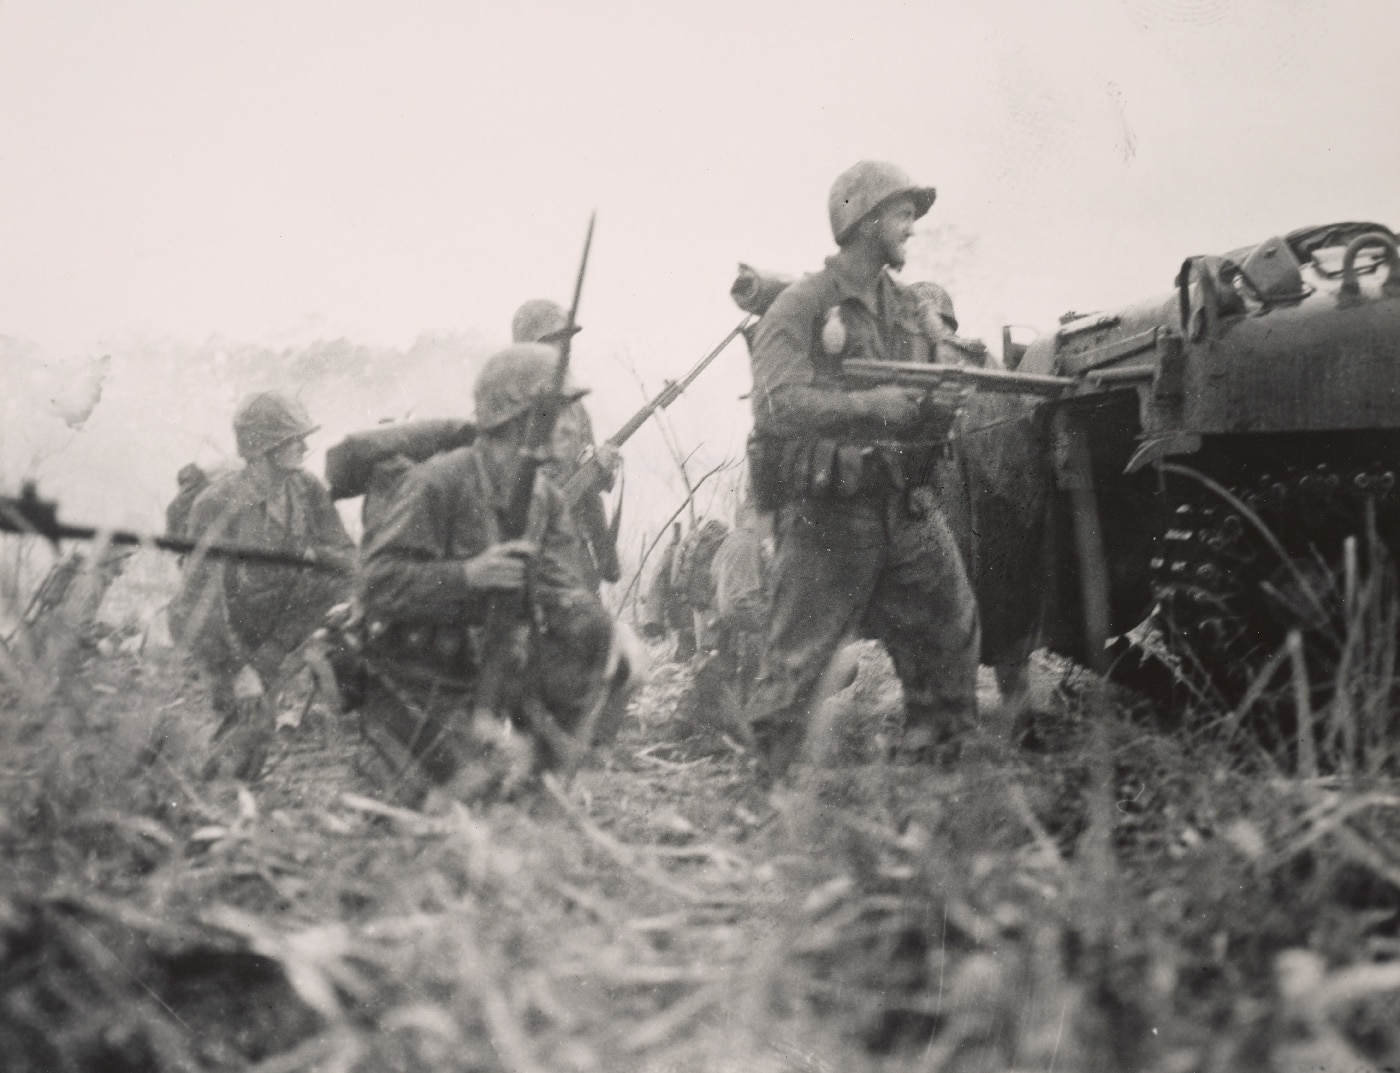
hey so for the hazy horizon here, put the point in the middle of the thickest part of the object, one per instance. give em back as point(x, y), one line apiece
point(181, 178)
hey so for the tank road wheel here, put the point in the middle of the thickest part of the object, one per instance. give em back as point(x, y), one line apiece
point(1302, 549)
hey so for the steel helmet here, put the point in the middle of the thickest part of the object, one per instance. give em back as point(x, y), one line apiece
point(265, 421)
point(863, 188)
point(513, 379)
point(936, 298)
point(536, 319)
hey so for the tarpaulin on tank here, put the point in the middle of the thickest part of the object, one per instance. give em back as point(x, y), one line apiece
point(995, 491)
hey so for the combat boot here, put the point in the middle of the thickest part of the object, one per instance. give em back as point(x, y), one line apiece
point(243, 740)
point(777, 745)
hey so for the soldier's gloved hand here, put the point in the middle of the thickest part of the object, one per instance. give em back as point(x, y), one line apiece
point(891, 405)
point(608, 457)
point(501, 567)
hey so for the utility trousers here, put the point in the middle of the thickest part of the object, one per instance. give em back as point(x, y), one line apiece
point(883, 567)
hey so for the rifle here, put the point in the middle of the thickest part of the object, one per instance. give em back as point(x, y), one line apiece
point(589, 474)
point(27, 514)
point(502, 615)
point(953, 378)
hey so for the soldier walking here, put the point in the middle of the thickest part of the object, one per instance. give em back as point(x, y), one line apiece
point(241, 620)
point(435, 561)
point(861, 547)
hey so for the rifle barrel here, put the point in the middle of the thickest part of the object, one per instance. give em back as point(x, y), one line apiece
point(584, 478)
point(262, 556)
point(925, 375)
point(28, 515)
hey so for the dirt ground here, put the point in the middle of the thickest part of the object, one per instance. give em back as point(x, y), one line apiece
point(1100, 896)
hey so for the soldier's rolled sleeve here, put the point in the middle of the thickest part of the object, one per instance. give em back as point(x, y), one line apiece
point(407, 570)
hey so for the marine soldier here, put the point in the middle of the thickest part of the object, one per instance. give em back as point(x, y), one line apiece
point(740, 575)
point(940, 324)
point(242, 620)
point(861, 547)
point(435, 561)
point(664, 611)
point(730, 600)
point(190, 481)
point(690, 577)
point(540, 321)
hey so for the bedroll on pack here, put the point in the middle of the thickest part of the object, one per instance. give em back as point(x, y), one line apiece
point(350, 464)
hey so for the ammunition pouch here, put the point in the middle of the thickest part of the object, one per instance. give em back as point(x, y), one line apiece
point(446, 654)
point(786, 468)
point(766, 471)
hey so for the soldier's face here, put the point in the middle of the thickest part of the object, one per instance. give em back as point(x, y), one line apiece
point(289, 456)
point(549, 327)
point(893, 226)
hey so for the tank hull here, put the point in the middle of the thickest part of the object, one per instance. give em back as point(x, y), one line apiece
point(1272, 372)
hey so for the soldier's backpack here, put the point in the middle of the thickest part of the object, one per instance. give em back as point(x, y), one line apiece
point(690, 571)
point(372, 463)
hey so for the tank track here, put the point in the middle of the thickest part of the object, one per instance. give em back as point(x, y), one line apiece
point(1225, 600)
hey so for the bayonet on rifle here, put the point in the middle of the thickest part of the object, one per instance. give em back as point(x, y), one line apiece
point(503, 619)
point(540, 433)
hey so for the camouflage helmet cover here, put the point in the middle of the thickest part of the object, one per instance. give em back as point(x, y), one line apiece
point(265, 421)
point(513, 379)
point(864, 187)
point(536, 319)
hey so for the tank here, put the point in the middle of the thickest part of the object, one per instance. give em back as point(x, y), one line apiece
point(1222, 472)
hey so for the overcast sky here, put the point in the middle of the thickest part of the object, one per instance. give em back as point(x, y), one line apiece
point(287, 170)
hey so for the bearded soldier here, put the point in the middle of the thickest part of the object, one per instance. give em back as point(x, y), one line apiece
point(242, 620)
point(861, 547)
point(541, 321)
point(435, 562)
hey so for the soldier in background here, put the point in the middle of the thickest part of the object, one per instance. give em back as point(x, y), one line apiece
point(541, 321)
point(434, 561)
point(691, 583)
point(190, 481)
point(940, 324)
point(664, 610)
point(731, 615)
point(740, 573)
point(861, 547)
point(241, 620)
